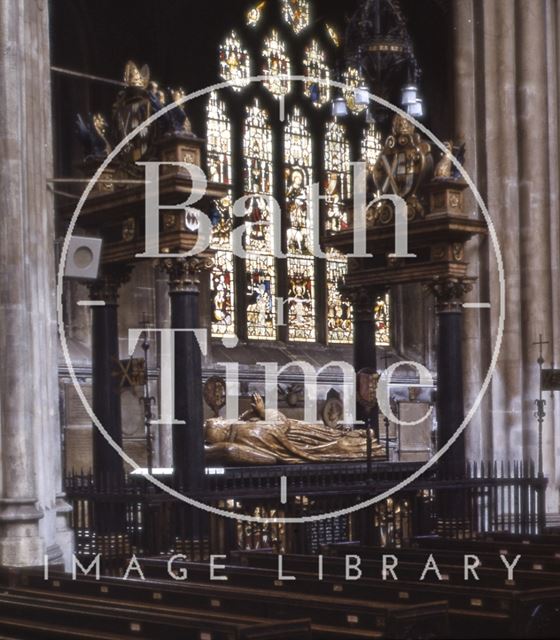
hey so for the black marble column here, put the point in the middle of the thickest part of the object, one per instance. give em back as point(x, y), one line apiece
point(106, 398)
point(363, 301)
point(188, 438)
point(449, 295)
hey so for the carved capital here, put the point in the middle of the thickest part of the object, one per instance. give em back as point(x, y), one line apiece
point(106, 287)
point(184, 273)
point(363, 300)
point(449, 292)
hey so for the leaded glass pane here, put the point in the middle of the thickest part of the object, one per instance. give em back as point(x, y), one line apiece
point(382, 321)
point(298, 148)
point(254, 14)
point(296, 14)
point(315, 65)
point(371, 146)
point(337, 177)
point(339, 310)
point(301, 299)
point(219, 170)
point(276, 63)
point(352, 78)
point(235, 64)
point(337, 187)
point(260, 265)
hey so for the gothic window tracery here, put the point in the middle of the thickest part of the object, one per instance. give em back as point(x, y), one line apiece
point(254, 14)
point(298, 147)
point(371, 146)
point(220, 170)
point(296, 14)
point(263, 140)
point(352, 78)
point(316, 68)
point(235, 64)
point(259, 224)
point(337, 188)
point(276, 64)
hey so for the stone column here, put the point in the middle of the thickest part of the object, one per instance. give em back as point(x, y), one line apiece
point(188, 439)
point(449, 294)
point(32, 506)
point(506, 63)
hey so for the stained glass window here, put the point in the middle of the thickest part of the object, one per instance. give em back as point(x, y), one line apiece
point(255, 14)
point(352, 78)
point(298, 148)
point(315, 65)
point(300, 168)
point(337, 177)
point(219, 170)
point(296, 14)
point(276, 63)
point(333, 35)
point(235, 64)
point(371, 146)
point(337, 189)
point(260, 266)
point(382, 321)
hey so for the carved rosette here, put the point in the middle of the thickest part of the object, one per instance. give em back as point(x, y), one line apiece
point(449, 292)
point(362, 299)
point(184, 273)
point(106, 287)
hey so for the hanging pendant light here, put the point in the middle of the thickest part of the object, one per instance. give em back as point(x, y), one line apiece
point(361, 95)
point(416, 110)
point(409, 95)
point(339, 108)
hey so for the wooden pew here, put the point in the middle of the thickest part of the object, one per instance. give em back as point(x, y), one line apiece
point(478, 611)
point(454, 555)
point(407, 569)
point(36, 613)
point(510, 547)
point(332, 617)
